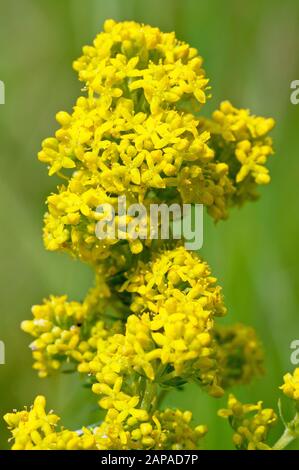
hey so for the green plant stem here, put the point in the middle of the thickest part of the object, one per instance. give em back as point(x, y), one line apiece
point(289, 435)
point(149, 399)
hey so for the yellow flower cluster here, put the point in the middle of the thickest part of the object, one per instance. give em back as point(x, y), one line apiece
point(169, 340)
point(177, 296)
point(35, 429)
point(149, 322)
point(290, 386)
point(239, 354)
point(68, 331)
point(180, 435)
point(130, 136)
point(56, 327)
point(251, 423)
point(126, 153)
point(240, 140)
point(153, 68)
point(121, 363)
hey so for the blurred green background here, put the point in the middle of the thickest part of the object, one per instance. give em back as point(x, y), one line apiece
point(251, 52)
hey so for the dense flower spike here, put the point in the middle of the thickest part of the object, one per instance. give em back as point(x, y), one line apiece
point(149, 324)
point(134, 135)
